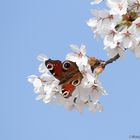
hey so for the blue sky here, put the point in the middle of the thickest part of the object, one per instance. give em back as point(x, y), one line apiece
point(31, 27)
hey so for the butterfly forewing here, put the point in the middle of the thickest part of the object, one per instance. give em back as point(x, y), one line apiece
point(55, 68)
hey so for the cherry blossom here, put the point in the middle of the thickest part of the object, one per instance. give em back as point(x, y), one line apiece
point(102, 20)
point(78, 55)
point(119, 26)
point(118, 7)
point(49, 91)
point(93, 107)
point(36, 81)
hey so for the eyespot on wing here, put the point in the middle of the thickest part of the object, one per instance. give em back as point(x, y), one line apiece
point(55, 68)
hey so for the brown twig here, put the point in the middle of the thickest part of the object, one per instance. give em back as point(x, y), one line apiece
point(111, 60)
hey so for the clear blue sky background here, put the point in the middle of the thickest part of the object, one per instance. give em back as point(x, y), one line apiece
point(31, 27)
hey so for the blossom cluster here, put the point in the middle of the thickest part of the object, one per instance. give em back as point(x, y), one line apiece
point(119, 26)
point(86, 94)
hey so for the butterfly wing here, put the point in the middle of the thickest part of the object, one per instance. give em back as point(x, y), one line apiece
point(69, 69)
point(67, 73)
point(55, 68)
point(69, 86)
point(61, 71)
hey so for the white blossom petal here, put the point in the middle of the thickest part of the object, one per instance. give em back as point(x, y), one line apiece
point(96, 2)
point(42, 57)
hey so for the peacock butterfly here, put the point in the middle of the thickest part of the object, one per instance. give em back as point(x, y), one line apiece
point(67, 73)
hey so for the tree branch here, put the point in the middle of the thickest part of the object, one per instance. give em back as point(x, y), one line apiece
point(99, 65)
point(111, 60)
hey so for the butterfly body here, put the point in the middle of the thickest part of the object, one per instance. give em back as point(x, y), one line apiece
point(67, 73)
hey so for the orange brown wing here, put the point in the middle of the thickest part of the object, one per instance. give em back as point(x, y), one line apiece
point(69, 86)
point(67, 73)
point(55, 68)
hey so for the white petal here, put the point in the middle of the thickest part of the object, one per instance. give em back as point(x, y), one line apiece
point(40, 97)
point(83, 49)
point(72, 57)
point(69, 105)
point(37, 83)
point(137, 51)
point(42, 57)
point(75, 48)
point(31, 78)
point(96, 2)
point(92, 23)
point(47, 98)
point(42, 68)
point(79, 108)
point(118, 7)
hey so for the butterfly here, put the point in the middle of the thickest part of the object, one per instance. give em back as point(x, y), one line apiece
point(67, 73)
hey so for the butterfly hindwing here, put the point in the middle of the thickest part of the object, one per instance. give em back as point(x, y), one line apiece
point(69, 86)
